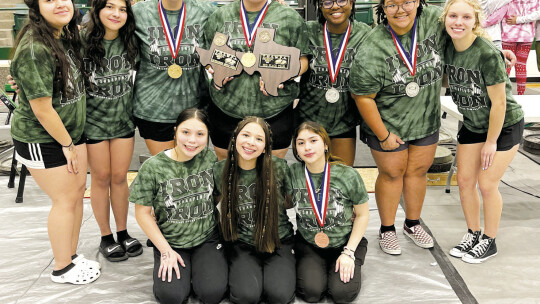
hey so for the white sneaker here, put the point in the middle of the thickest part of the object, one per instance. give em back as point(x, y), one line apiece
point(79, 275)
point(91, 264)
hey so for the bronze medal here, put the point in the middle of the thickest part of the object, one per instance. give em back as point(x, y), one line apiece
point(321, 239)
point(175, 71)
point(248, 60)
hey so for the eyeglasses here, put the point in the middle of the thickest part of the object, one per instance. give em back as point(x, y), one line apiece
point(393, 8)
point(330, 3)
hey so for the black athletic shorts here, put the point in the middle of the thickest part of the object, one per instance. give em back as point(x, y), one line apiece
point(97, 141)
point(222, 127)
point(157, 131)
point(509, 137)
point(42, 156)
point(373, 142)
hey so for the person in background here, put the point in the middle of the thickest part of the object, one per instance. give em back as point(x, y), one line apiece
point(534, 16)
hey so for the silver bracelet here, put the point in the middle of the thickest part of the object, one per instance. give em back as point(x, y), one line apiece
point(349, 255)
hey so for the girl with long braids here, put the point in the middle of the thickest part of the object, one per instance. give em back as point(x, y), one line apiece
point(110, 54)
point(48, 125)
point(253, 188)
point(330, 248)
point(178, 184)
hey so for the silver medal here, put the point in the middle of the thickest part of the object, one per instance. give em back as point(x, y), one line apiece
point(332, 95)
point(412, 89)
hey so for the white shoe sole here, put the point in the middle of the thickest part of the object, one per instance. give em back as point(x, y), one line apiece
point(425, 246)
point(72, 276)
point(456, 253)
point(390, 251)
point(476, 261)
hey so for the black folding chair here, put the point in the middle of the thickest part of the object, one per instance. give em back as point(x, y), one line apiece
point(22, 174)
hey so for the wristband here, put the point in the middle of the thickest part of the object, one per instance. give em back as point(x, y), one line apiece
point(69, 147)
point(349, 255)
point(347, 248)
point(381, 141)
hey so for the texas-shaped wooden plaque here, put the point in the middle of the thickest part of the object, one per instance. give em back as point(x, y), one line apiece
point(221, 58)
point(276, 63)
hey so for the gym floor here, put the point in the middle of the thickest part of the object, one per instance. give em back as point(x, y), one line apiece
point(418, 275)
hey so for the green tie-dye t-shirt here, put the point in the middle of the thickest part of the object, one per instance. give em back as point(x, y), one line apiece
point(109, 100)
point(246, 204)
point(342, 116)
point(158, 97)
point(242, 96)
point(181, 194)
point(33, 69)
point(378, 68)
point(469, 74)
point(346, 190)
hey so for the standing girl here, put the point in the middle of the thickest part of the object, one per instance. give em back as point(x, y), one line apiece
point(110, 53)
point(245, 95)
point(253, 188)
point(324, 90)
point(492, 126)
point(330, 247)
point(48, 124)
point(167, 80)
point(178, 184)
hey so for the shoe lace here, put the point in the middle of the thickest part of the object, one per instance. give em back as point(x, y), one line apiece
point(481, 247)
point(467, 240)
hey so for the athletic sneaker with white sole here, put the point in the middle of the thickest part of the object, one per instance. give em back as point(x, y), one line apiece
point(485, 249)
point(469, 240)
point(91, 264)
point(389, 242)
point(80, 274)
point(419, 236)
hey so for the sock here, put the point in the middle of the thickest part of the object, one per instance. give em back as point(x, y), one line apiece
point(73, 257)
point(411, 223)
point(484, 236)
point(63, 270)
point(107, 240)
point(387, 228)
point(122, 236)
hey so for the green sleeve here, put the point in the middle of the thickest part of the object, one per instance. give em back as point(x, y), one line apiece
point(33, 70)
point(362, 78)
point(144, 188)
point(493, 68)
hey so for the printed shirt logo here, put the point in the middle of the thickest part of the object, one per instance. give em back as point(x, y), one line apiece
point(160, 55)
point(335, 216)
point(465, 88)
point(188, 199)
point(429, 67)
point(320, 78)
point(112, 81)
point(77, 89)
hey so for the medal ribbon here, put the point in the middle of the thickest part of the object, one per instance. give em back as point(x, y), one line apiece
point(319, 206)
point(409, 59)
point(173, 40)
point(251, 30)
point(334, 63)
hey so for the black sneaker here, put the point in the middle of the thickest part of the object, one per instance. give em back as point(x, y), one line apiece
point(469, 240)
point(484, 250)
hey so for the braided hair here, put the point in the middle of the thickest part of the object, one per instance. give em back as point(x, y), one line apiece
point(266, 236)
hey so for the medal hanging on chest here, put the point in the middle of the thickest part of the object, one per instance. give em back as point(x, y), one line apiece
point(249, 59)
point(334, 63)
point(319, 203)
point(409, 58)
point(173, 39)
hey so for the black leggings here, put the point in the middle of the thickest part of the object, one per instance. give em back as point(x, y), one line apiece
point(253, 274)
point(206, 268)
point(315, 272)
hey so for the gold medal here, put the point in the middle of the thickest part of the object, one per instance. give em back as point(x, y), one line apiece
point(175, 71)
point(321, 239)
point(248, 60)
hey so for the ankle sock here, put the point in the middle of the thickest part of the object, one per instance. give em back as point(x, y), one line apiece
point(107, 240)
point(122, 236)
point(63, 270)
point(484, 236)
point(73, 257)
point(387, 228)
point(411, 223)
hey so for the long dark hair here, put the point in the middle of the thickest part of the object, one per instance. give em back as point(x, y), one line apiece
point(96, 31)
point(266, 236)
point(381, 15)
point(319, 130)
point(189, 114)
point(320, 16)
point(45, 33)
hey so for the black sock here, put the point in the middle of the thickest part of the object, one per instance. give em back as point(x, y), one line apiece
point(122, 236)
point(411, 223)
point(484, 236)
point(63, 270)
point(387, 228)
point(107, 240)
point(73, 257)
